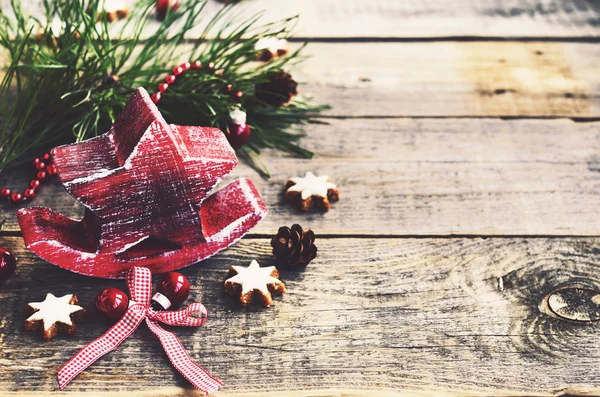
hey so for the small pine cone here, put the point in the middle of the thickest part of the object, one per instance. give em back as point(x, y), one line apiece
point(279, 90)
point(294, 247)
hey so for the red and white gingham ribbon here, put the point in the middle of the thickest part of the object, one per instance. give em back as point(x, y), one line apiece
point(139, 282)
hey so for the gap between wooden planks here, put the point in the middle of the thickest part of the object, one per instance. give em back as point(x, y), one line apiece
point(409, 177)
point(377, 315)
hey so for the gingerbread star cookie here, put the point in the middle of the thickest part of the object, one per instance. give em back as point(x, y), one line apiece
point(311, 191)
point(247, 282)
point(54, 314)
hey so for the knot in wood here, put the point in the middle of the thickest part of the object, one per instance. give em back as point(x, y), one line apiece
point(576, 304)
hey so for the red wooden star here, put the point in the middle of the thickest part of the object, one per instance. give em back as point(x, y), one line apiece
point(145, 186)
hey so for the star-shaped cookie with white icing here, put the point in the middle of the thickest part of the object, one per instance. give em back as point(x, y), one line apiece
point(54, 314)
point(311, 191)
point(247, 282)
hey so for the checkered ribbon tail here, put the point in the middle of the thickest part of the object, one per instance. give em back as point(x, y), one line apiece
point(139, 281)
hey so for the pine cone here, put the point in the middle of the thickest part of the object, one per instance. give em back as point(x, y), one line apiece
point(279, 90)
point(294, 247)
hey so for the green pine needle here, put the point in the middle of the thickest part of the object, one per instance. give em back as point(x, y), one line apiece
point(58, 89)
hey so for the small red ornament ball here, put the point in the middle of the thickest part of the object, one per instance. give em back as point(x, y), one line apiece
point(8, 263)
point(112, 302)
point(175, 287)
point(238, 134)
point(29, 193)
point(162, 6)
point(16, 197)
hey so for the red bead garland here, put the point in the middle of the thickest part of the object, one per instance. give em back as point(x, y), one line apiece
point(184, 67)
point(44, 168)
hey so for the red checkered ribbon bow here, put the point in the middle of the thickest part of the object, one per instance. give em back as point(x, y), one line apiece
point(139, 281)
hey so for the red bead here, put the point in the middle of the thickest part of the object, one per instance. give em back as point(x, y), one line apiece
point(211, 65)
point(16, 197)
point(29, 193)
point(162, 6)
point(51, 169)
point(170, 79)
point(196, 65)
point(112, 302)
point(46, 156)
point(238, 135)
point(8, 263)
point(229, 87)
point(41, 175)
point(238, 94)
point(34, 184)
point(5, 192)
point(175, 287)
point(163, 87)
point(185, 66)
point(36, 161)
point(177, 70)
point(156, 97)
point(41, 165)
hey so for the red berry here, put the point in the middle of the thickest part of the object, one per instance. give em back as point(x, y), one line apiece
point(34, 184)
point(41, 175)
point(5, 192)
point(177, 70)
point(8, 263)
point(185, 66)
point(41, 165)
point(196, 65)
point(16, 197)
point(175, 287)
point(46, 156)
point(163, 87)
point(229, 87)
point(29, 193)
point(112, 302)
point(238, 94)
point(51, 170)
point(238, 135)
point(162, 6)
point(170, 79)
point(156, 97)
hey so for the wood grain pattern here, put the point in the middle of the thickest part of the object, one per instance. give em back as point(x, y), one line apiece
point(452, 79)
point(462, 316)
point(423, 19)
point(445, 79)
point(428, 177)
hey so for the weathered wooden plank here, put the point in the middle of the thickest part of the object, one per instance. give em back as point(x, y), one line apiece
point(454, 79)
point(458, 316)
point(429, 177)
point(415, 18)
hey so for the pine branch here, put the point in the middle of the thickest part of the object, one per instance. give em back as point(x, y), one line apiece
point(59, 85)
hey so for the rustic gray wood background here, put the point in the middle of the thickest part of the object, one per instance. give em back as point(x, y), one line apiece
point(464, 139)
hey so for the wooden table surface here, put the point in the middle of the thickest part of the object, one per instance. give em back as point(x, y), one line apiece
point(465, 139)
